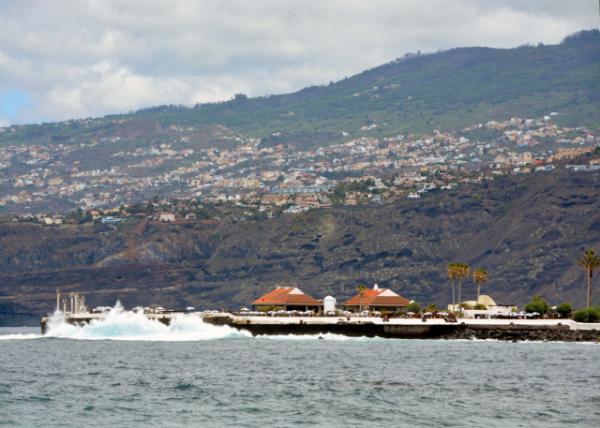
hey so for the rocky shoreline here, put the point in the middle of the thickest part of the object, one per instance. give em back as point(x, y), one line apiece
point(523, 333)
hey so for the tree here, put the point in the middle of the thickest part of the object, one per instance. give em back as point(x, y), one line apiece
point(361, 290)
point(589, 262)
point(564, 310)
point(537, 304)
point(451, 270)
point(462, 271)
point(480, 276)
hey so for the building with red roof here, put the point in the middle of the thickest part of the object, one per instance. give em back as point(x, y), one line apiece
point(289, 299)
point(376, 299)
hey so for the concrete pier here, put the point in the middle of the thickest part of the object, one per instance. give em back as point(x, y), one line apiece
point(411, 328)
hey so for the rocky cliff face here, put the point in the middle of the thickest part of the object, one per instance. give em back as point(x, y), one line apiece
point(526, 231)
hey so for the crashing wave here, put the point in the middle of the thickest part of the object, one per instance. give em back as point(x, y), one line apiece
point(119, 324)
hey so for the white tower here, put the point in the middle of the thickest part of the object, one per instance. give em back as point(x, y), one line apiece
point(329, 304)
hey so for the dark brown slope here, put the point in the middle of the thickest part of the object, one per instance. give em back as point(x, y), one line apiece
point(526, 231)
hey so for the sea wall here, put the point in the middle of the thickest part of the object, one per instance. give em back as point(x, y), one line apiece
point(509, 332)
point(525, 332)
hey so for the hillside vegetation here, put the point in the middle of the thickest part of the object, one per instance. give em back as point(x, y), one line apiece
point(450, 89)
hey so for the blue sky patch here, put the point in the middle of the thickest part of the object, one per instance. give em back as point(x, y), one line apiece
point(11, 102)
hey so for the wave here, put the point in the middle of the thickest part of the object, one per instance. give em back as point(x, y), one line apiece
point(120, 324)
point(20, 336)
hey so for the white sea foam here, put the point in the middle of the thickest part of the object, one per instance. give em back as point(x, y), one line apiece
point(324, 336)
point(126, 325)
point(19, 336)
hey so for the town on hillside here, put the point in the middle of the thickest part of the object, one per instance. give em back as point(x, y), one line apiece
point(176, 179)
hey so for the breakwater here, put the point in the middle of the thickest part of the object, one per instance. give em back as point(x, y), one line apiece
point(538, 330)
point(397, 328)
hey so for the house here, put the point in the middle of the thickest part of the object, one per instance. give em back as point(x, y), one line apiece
point(110, 220)
point(166, 217)
point(95, 214)
point(287, 298)
point(53, 220)
point(376, 299)
point(295, 209)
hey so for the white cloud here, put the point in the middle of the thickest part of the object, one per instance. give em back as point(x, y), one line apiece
point(91, 57)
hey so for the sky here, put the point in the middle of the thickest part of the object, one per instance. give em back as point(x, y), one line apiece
point(64, 59)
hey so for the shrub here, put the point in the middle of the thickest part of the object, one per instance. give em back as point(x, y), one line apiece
point(587, 315)
point(480, 307)
point(413, 307)
point(268, 308)
point(537, 304)
point(432, 308)
point(564, 310)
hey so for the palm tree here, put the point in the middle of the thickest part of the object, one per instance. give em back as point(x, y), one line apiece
point(361, 289)
point(451, 270)
point(480, 276)
point(589, 262)
point(462, 271)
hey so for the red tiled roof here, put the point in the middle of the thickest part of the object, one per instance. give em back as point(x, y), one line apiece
point(371, 297)
point(283, 296)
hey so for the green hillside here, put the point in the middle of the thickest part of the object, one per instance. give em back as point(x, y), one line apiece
point(449, 89)
point(414, 94)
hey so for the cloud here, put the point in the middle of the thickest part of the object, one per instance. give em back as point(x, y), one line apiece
point(92, 57)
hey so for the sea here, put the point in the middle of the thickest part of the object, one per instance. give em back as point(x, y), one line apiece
point(127, 371)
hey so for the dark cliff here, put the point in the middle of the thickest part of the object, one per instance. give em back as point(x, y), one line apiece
point(526, 231)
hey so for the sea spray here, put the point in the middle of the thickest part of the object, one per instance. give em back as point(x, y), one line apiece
point(119, 324)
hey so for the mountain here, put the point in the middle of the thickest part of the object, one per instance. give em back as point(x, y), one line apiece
point(526, 231)
point(418, 93)
point(414, 94)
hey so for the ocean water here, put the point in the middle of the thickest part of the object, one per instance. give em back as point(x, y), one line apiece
point(130, 372)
